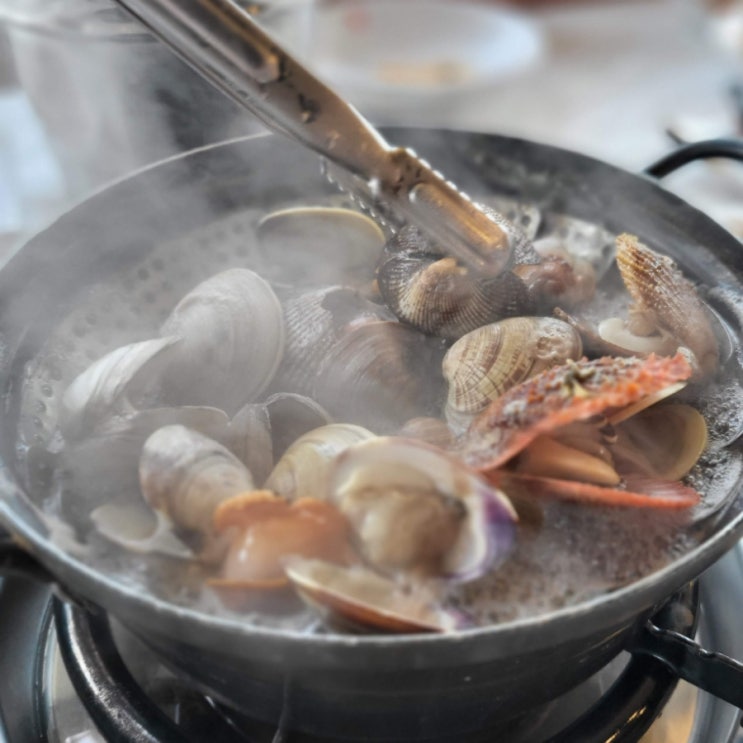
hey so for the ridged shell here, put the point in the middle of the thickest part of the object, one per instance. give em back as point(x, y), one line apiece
point(486, 362)
point(302, 472)
point(232, 331)
point(438, 295)
point(314, 322)
point(364, 368)
point(662, 293)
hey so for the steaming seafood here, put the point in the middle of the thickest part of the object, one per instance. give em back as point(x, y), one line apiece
point(416, 510)
point(304, 468)
point(357, 599)
point(525, 424)
point(232, 340)
point(292, 484)
point(266, 530)
point(345, 246)
point(185, 476)
point(667, 309)
point(486, 362)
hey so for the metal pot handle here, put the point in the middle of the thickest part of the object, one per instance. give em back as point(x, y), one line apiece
point(731, 149)
point(713, 672)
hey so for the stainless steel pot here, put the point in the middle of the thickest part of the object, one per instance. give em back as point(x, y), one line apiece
point(378, 686)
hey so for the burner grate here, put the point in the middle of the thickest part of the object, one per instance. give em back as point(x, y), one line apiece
point(124, 712)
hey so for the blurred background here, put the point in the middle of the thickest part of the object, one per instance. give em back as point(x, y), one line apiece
point(86, 96)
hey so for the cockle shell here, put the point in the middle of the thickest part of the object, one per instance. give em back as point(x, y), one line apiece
point(187, 475)
point(486, 362)
point(440, 296)
point(263, 530)
point(667, 300)
point(561, 395)
point(108, 388)
point(416, 510)
point(314, 322)
point(232, 331)
point(302, 471)
point(345, 352)
point(360, 600)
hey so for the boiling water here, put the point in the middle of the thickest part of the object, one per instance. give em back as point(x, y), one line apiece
point(565, 553)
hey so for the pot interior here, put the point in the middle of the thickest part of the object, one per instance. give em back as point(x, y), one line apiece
point(109, 272)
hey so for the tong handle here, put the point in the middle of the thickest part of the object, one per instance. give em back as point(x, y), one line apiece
point(222, 42)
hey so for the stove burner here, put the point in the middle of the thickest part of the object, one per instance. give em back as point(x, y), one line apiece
point(123, 711)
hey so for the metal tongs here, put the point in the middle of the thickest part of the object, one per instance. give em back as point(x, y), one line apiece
point(222, 42)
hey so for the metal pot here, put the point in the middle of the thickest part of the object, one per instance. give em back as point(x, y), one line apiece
point(378, 686)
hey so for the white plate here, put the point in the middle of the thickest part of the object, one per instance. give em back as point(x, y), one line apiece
point(405, 50)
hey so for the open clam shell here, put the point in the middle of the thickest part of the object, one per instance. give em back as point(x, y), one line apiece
point(416, 510)
point(358, 599)
point(108, 388)
point(320, 245)
point(668, 300)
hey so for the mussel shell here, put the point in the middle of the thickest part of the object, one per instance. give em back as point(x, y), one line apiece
point(232, 331)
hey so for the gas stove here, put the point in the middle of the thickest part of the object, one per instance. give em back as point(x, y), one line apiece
point(63, 667)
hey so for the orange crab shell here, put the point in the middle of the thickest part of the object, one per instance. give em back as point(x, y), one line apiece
point(571, 392)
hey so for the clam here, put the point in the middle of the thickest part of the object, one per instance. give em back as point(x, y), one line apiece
point(303, 469)
point(111, 386)
point(517, 438)
point(261, 432)
point(417, 511)
point(186, 475)
point(360, 365)
point(320, 245)
point(314, 322)
point(264, 530)
point(360, 600)
point(486, 362)
point(438, 295)
point(663, 441)
point(232, 331)
point(665, 302)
